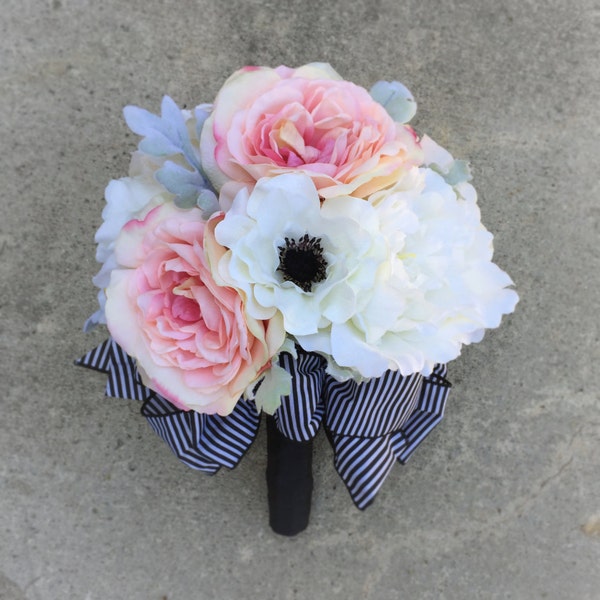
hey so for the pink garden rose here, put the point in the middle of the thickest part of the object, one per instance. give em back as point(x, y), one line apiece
point(266, 122)
point(191, 339)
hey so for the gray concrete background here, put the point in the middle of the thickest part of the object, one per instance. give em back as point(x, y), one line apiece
point(502, 501)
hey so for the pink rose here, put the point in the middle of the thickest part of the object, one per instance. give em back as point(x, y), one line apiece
point(190, 336)
point(266, 122)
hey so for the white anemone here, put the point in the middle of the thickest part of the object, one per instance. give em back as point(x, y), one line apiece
point(283, 218)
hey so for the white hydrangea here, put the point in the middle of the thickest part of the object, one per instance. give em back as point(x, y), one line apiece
point(126, 198)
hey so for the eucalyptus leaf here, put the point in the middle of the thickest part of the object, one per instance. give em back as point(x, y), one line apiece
point(458, 173)
point(396, 98)
point(276, 382)
point(185, 184)
point(201, 113)
point(165, 135)
point(209, 203)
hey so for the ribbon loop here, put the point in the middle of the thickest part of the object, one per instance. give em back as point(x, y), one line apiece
point(372, 408)
point(300, 414)
point(202, 442)
point(362, 462)
point(370, 425)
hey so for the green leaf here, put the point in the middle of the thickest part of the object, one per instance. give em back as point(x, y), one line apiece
point(276, 382)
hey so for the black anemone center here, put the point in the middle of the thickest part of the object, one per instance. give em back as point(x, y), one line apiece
point(301, 261)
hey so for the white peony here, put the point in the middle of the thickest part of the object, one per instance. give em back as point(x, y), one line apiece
point(441, 290)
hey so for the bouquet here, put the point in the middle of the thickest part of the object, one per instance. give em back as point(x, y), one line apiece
point(294, 248)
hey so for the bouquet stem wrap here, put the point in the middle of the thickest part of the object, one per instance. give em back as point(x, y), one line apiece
point(368, 437)
point(289, 481)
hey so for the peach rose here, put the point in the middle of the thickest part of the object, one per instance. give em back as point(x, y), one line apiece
point(191, 339)
point(266, 122)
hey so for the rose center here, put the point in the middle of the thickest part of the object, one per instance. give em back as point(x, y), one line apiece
point(301, 261)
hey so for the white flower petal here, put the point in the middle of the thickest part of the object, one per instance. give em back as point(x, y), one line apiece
point(409, 276)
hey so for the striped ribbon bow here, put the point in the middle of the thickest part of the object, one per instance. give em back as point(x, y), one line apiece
point(370, 425)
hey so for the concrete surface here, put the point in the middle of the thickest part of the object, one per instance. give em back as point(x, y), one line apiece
point(502, 501)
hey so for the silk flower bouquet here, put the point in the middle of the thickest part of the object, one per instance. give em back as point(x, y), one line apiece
point(299, 220)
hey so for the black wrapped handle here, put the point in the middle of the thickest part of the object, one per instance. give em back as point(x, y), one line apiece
point(289, 481)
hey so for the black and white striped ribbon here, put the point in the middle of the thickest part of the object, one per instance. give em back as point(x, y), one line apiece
point(370, 425)
point(203, 442)
point(300, 414)
point(206, 442)
point(123, 378)
point(366, 452)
